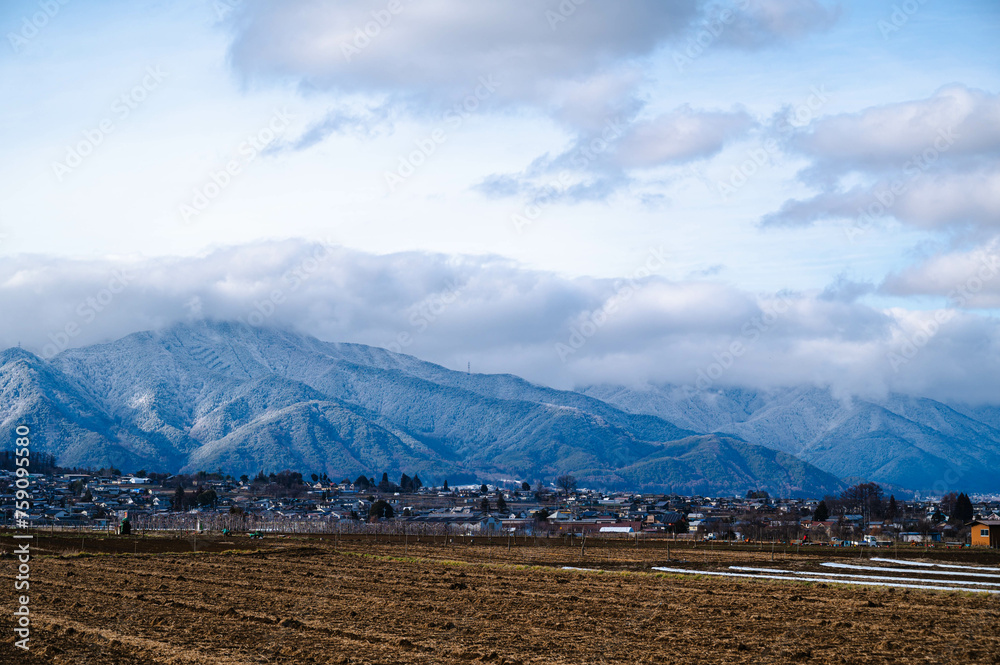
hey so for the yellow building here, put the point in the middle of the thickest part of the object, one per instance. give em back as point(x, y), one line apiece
point(986, 533)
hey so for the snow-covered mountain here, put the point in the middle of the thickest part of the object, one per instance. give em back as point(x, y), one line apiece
point(207, 396)
point(901, 440)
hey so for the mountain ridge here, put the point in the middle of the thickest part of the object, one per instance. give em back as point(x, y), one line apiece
point(202, 396)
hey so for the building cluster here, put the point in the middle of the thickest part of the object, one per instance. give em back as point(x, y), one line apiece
point(102, 501)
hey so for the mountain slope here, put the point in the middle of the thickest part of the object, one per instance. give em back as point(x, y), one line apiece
point(901, 440)
point(243, 399)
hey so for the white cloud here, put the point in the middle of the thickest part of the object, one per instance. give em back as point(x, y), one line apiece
point(968, 279)
point(433, 51)
point(503, 318)
point(929, 163)
point(681, 135)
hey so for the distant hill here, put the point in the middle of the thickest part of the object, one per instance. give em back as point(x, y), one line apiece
point(208, 396)
point(905, 441)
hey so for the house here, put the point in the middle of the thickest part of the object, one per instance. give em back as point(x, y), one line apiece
point(985, 533)
point(917, 537)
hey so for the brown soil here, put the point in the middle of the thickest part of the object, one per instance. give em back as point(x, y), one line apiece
point(299, 601)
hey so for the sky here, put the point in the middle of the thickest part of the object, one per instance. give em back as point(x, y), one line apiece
point(757, 192)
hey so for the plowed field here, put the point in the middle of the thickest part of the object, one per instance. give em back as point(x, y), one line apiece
point(360, 602)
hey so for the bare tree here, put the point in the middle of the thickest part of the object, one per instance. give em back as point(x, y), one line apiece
point(566, 483)
point(866, 499)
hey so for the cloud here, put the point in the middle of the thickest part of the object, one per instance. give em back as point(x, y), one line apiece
point(431, 52)
point(762, 23)
point(598, 164)
point(504, 318)
point(580, 63)
point(929, 163)
point(968, 279)
point(845, 290)
point(679, 136)
point(366, 124)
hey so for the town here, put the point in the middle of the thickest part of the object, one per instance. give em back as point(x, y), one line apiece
point(288, 502)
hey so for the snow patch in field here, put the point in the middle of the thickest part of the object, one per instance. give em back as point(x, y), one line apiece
point(685, 571)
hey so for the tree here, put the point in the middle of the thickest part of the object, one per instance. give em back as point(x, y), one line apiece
point(207, 498)
point(445, 486)
point(362, 483)
point(417, 483)
point(483, 489)
point(822, 512)
point(864, 499)
point(315, 478)
point(525, 486)
point(244, 479)
point(892, 512)
point(501, 504)
point(962, 511)
point(178, 499)
point(380, 510)
point(566, 483)
point(384, 485)
point(405, 483)
point(484, 505)
point(947, 503)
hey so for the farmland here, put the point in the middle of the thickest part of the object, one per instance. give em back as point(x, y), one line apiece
point(312, 600)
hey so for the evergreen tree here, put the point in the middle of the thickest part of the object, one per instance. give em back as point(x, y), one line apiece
point(963, 510)
point(445, 486)
point(822, 512)
point(178, 499)
point(384, 485)
point(380, 510)
point(362, 483)
point(501, 505)
point(525, 486)
point(405, 483)
point(483, 489)
point(417, 484)
point(484, 505)
point(892, 512)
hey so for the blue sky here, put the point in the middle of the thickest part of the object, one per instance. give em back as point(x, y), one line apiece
point(565, 147)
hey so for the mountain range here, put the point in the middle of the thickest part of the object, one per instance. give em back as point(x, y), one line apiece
point(241, 399)
point(898, 440)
